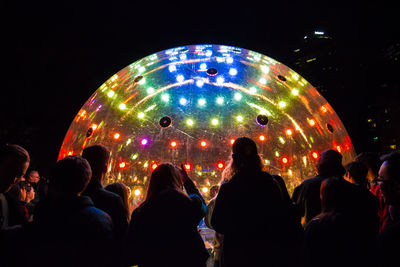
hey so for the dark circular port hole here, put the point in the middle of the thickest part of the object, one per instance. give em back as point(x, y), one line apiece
point(165, 122)
point(138, 78)
point(89, 132)
point(262, 120)
point(212, 71)
point(329, 127)
point(282, 78)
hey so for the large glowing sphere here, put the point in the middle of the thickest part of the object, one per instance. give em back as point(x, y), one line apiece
point(187, 105)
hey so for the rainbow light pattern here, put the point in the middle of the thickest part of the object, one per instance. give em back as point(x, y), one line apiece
point(212, 94)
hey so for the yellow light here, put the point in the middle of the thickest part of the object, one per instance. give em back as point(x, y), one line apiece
point(137, 192)
point(239, 118)
point(190, 122)
point(262, 81)
point(141, 115)
point(311, 122)
point(281, 140)
point(204, 189)
point(282, 104)
point(110, 94)
point(214, 122)
point(94, 126)
point(290, 172)
point(295, 92)
point(261, 137)
point(122, 106)
point(289, 132)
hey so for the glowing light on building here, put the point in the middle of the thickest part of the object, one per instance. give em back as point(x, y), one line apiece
point(94, 126)
point(295, 92)
point(262, 81)
point(311, 122)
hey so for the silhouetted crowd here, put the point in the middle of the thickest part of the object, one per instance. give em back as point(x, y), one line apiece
point(345, 216)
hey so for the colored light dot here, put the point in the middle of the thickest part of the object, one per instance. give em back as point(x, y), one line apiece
point(315, 155)
point(253, 90)
point(238, 96)
point(165, 97)
point(311, 122)
point(94, 126)
point(203, 143)
point(150, 90)
point(110, 94)
point(134, 156)
point(128, 141)
point(145, 164)
point(180, 78)
point(220, 80)
point(281, 140)
point(267, 162)
point(220, 165)
point(122, 106)
point(285, 160)
point(141, 115)
point(183, 101)
point(201, 101)
point(190, 122)
point(204, 189)
point(187, 166)
point(199, 83)
point(141, 69)
point(233, 71)
point(173, 144)
point(261, 137)
point(264, 69)
point(220, 100)
point(282, 104)
point(122, 165)
point(262, 81)
point(339, 149)
point(214, 121)
point(182, 56)
point(276, 154)
point(137, 192)
point(239, 118)
point(229, 60)
point(172, 68)
point(144, 142)
point(289, 132)
point(295, 92)
point(203, 66)
point(323, 109)
point(70, 153)
point(232, 141)
point(117, 136)
point(290, 172)
point(154, 166)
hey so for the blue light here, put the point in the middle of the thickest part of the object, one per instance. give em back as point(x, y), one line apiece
point(220, 80)
point(209, 53)
point(233, 71)
point(182, 56)
point(180, 78)
point(199, 83)
point(203, 66)
point(172, 68)
point(183, 101)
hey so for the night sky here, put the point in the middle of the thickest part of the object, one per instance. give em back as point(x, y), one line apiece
point(57, 54)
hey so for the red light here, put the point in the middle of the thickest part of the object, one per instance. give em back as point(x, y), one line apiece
point(261, 137)
point(154, 166)
point(285, 160)
point(94, 126)
point(339, 149)
point(203, 143)
point(232, 141)
point(122, 165)
point(173, 144)
point(117, 136)
point(220, 165)
point(315, 155)
point(187, 166)
point(289, 132)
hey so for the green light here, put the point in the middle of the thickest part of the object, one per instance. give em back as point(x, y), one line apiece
point(141, 115)
point(134, 156)
point(238, 96)
point(150, 90)
point(110, 94)
point(201, 102)
point(165, 97)
point(214, 122)
point(190, 122)
point(220, 100)
point(239, 118)
point(282, 104)
point(295, 91)
point(128, 141)
point(267, 161)
point(122, 106)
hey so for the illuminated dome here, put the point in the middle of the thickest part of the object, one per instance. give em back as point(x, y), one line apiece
point(188, 104)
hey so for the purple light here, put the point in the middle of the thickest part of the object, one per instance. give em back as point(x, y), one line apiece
point(144, 141)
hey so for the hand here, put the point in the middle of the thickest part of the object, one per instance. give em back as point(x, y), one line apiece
point(30, 195)
point(184, 175)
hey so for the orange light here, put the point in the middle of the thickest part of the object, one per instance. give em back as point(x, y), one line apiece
point(261, 137)
point(94, 126)
point(187, 166)
point(173, 144)
point(285, 160)
point(220, 165)
point(315, 155)
point(203, 143)
point(232, 141)
point(122, 165)
point(70, 153)
point(154, 166)
point(323, 109)
point(311, 122)
point(117, 136)
point(289, 132)
point(339, 149)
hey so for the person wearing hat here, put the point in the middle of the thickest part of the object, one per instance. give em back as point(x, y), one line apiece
point(250, 212)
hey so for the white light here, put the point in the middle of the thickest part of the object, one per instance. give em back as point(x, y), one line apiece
point(220, 100)
point(199, 83)
point(140, 115)
point(209, 53)
point(220, 80)
point(233, 71)
point(204, 189)
point(122, 106)
point(150, 90)
point(180, 78)
point(253, 90)
point(295, 91)
point(282, 104)
point(165, 97)
point(141, 69)
point(262, 81)
point(182, 101)
point(201, 101)
point(142, 81)
point(172, 68)
point(214, 121)
point(203, 66)
point(229, 60)
point(239, 118)
point(110, 94)
point(264, 69)
point(319, 32)
point(238, 96)
point(182, 56)
point(137, 192)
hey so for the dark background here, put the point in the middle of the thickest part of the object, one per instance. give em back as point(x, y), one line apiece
point(55, 55)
